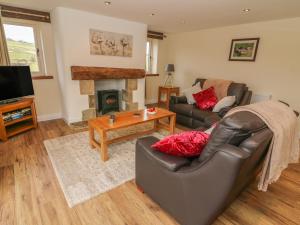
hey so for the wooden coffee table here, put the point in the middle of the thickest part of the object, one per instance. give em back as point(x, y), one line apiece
point(101, 125)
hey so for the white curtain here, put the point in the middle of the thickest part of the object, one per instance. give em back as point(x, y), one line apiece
point(4, 57)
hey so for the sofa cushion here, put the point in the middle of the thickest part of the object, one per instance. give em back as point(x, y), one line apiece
point(232, 130)
point(235, 89)
point(199, 114)
point(184, 109)
point(224, 102)
point(212, 119)
point(184, 120)
point(185, 144)
point(206, 99)
point(198, 125)
point(188, 93)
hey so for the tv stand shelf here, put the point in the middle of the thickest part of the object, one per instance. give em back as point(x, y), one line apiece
point(18, 125)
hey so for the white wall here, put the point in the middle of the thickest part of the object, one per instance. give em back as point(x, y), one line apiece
point(47, 92)
point(205, 54)
point(71, 30)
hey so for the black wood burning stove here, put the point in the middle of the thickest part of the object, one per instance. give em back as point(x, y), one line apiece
point(108, 101)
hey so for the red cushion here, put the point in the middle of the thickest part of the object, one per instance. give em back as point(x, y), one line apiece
point(186, 144)
point(206, 99)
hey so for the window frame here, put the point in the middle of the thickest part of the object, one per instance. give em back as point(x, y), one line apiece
point(149, 71)
point(37, 39)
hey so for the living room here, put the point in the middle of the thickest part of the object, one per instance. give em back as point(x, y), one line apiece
point(126, 112)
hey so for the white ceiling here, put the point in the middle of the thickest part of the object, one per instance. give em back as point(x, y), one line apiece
point(170, 14)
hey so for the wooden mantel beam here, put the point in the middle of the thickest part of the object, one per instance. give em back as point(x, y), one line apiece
point(99, 73)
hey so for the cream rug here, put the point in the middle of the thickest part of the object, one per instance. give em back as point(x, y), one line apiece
point(80, 171)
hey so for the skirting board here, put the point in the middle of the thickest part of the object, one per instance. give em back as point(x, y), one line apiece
point(69, 120)
point(52, 116)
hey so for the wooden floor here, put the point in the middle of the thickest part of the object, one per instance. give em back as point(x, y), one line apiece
point(30, 193)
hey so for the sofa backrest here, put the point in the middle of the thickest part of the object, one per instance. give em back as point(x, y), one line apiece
point(235, 89)
point(256, 145)
point(233, 130)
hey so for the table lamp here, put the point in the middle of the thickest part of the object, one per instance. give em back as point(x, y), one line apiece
point(170, 68)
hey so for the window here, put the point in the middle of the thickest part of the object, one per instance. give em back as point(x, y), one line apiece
point(151, 56)
point(23, 43)
point(148, 57)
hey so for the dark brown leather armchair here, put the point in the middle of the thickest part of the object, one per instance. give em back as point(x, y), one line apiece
point(196, 191)
point(192, 117)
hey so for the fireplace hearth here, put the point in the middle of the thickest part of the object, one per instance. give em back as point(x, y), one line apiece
point(108, 101)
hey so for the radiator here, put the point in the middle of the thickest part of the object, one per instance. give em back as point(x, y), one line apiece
point(260, 97)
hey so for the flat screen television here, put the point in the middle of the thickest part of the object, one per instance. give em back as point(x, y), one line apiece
point(15, 82)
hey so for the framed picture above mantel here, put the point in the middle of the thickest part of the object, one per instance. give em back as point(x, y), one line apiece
point(243, 49)
point(110, 43)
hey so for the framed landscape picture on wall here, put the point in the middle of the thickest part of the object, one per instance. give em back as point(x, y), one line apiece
point(243, 49)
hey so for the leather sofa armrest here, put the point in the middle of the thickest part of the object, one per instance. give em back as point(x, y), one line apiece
point(178, 100)
point(212, 119)
point(171, 163)
point(234, 151)
point(224, 110)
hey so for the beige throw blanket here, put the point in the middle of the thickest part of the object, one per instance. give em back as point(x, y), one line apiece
point(284, 148)
point(221, 86)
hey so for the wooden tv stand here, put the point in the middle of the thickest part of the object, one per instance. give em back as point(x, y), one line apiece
point(17, 125)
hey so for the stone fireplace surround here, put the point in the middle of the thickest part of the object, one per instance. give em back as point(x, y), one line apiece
point(88, 76)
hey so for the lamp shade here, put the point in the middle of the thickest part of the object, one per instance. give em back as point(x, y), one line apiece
point(170, 68)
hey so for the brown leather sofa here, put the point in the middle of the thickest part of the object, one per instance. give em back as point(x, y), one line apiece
point(192, 117)
point(196, 191)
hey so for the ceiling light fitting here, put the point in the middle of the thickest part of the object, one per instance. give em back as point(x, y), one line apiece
point(246, 10)
point(107, 3)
